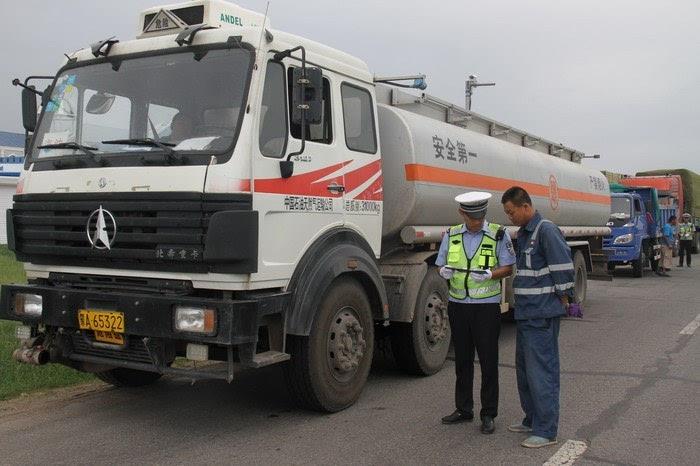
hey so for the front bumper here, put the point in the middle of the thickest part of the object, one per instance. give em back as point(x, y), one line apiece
point(149, 325)
point(146, 314)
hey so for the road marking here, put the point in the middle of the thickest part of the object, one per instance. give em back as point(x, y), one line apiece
point(691, 327)
point(568, 453)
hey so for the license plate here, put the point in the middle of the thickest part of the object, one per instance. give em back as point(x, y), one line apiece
point(107, 325)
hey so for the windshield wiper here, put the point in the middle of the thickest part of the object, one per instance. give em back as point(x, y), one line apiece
point(87, 150)
point(167, 147)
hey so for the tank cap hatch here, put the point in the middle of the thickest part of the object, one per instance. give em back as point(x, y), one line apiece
point(173, 18)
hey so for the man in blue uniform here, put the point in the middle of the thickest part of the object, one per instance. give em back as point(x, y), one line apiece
point(543, 285)
point(474, 256)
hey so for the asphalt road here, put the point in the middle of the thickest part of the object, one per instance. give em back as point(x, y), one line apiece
point(630, 390)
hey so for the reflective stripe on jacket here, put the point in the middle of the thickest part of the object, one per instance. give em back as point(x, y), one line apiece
point(544, 272)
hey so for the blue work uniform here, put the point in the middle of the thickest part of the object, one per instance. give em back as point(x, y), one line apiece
point(545, 273)
point(476, 324)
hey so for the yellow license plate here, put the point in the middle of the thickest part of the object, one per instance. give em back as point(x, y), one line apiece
point(107, 325)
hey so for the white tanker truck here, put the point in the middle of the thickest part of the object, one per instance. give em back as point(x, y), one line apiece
point(222, 192)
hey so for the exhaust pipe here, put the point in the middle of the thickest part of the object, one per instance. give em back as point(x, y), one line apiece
point(37, 355)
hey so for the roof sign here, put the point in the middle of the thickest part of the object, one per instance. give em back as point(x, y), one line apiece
point(164, 21)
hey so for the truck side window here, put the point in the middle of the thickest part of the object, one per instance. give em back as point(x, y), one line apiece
point(273, 113)
point(637, 207)
point(322, 132)
point(358, 118)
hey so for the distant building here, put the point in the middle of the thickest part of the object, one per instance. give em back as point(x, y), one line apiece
point(11, 162)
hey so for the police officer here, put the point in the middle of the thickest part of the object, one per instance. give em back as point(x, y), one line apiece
point(686, 233)
point(474, 256)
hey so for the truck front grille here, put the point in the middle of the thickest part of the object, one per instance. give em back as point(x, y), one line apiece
point(149, 230)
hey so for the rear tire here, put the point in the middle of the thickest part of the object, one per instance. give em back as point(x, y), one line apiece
point(121, 377)
point(420, 347)
point(580, 277)
point(329, 368)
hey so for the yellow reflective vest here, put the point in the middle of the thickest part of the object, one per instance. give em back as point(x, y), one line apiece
point(485, 257)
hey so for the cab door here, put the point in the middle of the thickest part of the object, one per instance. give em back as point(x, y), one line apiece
point(294, 211)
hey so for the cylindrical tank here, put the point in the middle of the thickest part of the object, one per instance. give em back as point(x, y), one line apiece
point(426, 163)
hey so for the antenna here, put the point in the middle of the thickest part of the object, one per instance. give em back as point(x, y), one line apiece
point(264, 26)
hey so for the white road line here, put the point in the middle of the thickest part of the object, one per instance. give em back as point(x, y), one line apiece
point(691, 327)
point(568, 453)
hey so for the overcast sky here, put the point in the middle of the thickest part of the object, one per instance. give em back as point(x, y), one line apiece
point(616, 77)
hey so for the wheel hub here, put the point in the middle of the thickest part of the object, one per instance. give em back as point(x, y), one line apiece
point(346, 344)
point(436, 319)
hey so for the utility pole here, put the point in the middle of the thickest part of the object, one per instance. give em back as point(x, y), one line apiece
point(469, 89)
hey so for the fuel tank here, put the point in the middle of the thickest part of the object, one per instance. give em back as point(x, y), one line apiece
point(426, 163)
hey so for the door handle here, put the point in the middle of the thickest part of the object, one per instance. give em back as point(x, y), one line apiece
point(335, 188)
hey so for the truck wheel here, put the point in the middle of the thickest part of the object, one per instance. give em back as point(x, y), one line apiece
point(638, 264)
point(121, 377)
point(580, 277)
point(611, 267)
point(420, 347)
point(329, 368)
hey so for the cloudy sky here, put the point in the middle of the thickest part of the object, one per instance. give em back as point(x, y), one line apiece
point(620, 78)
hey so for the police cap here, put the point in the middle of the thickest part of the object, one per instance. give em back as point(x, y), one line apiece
point(474, 203)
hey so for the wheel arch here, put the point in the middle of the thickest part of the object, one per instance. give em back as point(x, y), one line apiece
point(337, 252)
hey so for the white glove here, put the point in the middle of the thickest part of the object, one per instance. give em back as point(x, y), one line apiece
point(481, 277)
point(446, 273)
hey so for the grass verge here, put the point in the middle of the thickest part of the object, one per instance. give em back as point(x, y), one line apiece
point(17, 378)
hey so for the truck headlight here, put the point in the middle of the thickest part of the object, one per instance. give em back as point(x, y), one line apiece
point(624, 239)
point(195, 319)
point(30, 305)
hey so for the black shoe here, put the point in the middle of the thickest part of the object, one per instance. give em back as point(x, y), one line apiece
point(458, 416)
point(679, 265)
point(662, 274)
point(487, 425)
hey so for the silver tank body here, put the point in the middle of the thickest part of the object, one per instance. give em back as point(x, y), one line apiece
point(420, 186)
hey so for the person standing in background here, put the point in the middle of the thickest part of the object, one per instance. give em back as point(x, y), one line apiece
point(686, 233)
point(667, 240)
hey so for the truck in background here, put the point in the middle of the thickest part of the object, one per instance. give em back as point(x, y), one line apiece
point(298, 217)
point(691, 195)
point(635, 219)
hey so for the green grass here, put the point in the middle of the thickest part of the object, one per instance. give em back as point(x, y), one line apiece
point(17, 378)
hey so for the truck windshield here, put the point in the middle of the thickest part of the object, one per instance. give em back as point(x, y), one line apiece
point(177, 105)
point(620, 210)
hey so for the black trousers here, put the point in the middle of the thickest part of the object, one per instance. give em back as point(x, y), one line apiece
point(686, 245)
point(476, 326)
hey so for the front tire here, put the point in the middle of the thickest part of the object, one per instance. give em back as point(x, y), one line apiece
point(121, 377)
point(329, 368)
point(638, 264)
point(420, 347)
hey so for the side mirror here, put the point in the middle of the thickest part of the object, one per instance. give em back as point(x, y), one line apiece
point(29, 109)
point(311, 100)
point(99, 103)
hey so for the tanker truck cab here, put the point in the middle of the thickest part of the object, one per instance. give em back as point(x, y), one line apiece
point(212, 191)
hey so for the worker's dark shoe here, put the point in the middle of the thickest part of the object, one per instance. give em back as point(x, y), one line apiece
point(487, 425)
point(535, 441)
point(458, 416)
point(519, 428)
point(662, 274)
point(679, 265)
